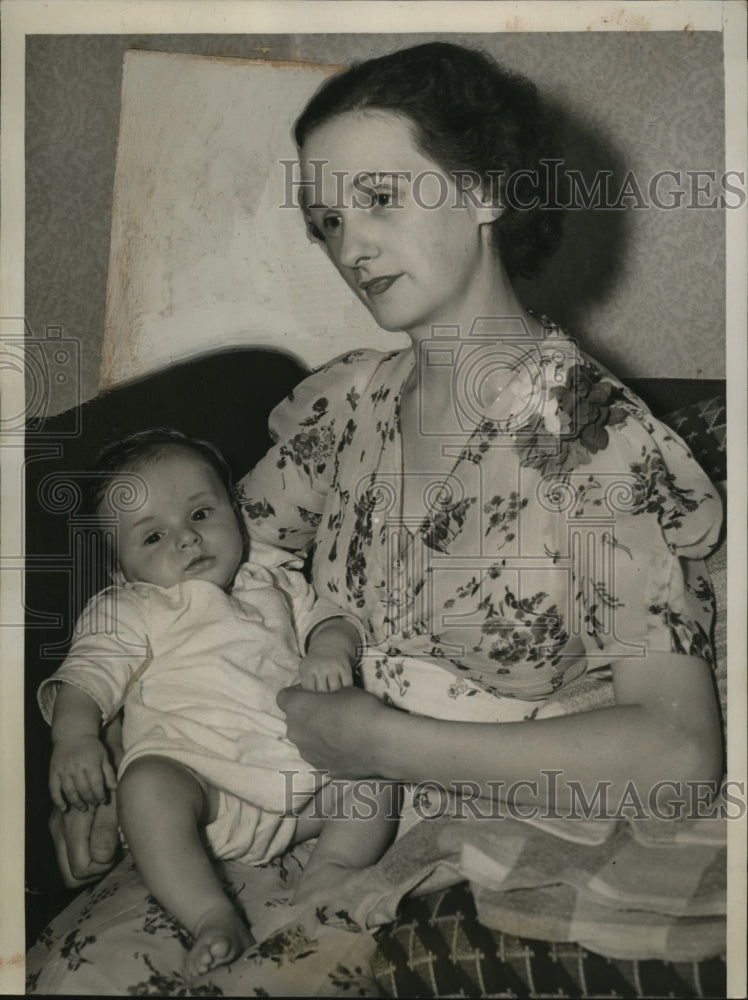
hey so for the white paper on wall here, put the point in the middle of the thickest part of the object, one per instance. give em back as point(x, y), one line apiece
point(202, 254)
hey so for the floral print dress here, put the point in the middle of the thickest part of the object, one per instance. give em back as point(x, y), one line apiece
point(569, 533)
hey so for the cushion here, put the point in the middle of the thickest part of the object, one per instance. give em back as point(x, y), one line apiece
point(438, 949)
point(703, 426)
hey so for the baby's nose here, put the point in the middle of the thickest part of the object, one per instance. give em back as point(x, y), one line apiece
point(188, 536)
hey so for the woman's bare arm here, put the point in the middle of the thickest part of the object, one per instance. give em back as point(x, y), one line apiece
point(664, 728)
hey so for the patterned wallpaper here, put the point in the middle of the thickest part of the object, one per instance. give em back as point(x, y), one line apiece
point(642, 289)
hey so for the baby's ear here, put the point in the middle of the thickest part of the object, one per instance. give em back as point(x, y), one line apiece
point(242, 527)
point(108, 550)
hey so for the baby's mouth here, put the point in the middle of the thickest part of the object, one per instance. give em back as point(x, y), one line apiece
point(198, 562)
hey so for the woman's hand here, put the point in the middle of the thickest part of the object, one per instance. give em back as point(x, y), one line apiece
point(86, 843)
point(336, 732)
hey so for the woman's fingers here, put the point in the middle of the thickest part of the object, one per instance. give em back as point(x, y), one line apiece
point(104, 838)
point(74, 870)
point(281, 699)
point(85, 842)
point(331, 729)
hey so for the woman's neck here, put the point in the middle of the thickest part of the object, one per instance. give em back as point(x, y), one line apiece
point(489, 312)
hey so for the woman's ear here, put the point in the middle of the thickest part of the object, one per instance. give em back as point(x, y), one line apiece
point(484, 204)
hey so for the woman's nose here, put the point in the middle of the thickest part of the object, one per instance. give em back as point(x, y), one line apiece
point(357, 244)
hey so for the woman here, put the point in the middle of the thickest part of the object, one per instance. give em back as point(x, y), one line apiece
point(499, 511)
point(417, 166)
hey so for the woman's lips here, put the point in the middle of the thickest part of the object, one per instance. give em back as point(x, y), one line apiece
point(376, 286)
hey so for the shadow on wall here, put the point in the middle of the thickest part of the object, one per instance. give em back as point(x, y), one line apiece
point(595, 245)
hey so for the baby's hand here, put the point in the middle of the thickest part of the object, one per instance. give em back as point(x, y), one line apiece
point(80, 773)
point(332, 652)
point(325, 671)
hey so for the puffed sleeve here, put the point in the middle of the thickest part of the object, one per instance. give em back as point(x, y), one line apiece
point(283, 497)
point(109, 646)
point(658, 594)
point(639, 516)
point(273, 565)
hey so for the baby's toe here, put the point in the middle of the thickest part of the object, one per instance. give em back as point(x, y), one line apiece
point(217, 943)
point(199, 960)
point(221, 949)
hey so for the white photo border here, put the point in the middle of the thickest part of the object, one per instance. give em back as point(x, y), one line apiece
point(21, 18)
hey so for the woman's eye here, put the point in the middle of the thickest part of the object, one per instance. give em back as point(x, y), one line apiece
point(372, 197)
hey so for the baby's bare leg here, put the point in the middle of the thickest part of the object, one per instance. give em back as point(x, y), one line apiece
point(162, 807)
point(359, 827)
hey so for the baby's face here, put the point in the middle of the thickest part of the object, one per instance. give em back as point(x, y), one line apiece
point(187, 528)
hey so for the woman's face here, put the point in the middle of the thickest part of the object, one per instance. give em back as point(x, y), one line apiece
point(394, 223)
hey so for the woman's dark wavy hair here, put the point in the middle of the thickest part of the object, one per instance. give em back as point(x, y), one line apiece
point(468, 115)
point(127, 454)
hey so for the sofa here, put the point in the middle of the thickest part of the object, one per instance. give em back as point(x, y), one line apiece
point(436, 946)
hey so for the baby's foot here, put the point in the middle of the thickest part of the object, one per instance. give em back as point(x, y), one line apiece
point(318, 882)
point(220, 937)
point(349, 897)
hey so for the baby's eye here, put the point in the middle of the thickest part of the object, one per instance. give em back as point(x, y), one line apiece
point(200, 514)
point(151, 539)
point(383, 199)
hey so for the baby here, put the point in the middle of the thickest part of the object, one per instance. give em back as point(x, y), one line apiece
point(195, 644)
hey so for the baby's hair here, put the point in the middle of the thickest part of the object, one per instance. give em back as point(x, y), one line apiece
point(129, 453)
